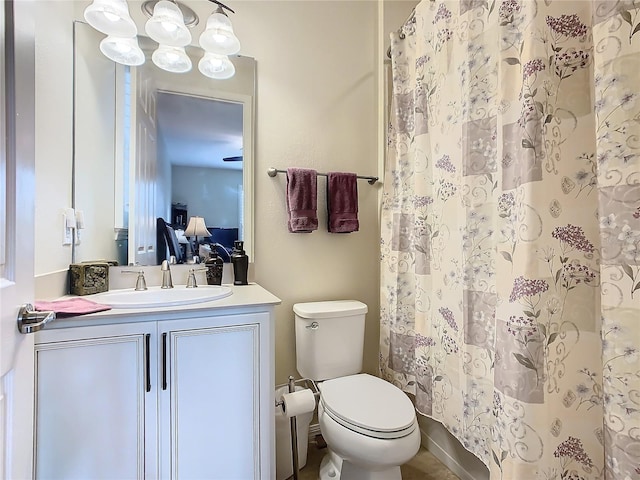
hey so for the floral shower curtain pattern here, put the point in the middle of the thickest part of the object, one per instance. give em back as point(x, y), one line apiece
point(510, 249)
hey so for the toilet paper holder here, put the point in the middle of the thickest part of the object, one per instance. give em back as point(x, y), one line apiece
point(305, 382)
point(311, 385)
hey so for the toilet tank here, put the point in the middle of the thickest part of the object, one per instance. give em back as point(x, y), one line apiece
point(329, 338)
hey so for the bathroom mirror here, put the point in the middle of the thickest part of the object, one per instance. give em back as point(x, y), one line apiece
point(151, 144)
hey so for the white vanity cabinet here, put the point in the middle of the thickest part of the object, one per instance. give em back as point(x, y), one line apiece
point(187, 395)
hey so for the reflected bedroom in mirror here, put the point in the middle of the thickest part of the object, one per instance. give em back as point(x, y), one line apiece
point(154, 150)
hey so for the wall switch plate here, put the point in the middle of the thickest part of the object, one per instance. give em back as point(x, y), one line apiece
point(68, 226)
point(67, 233)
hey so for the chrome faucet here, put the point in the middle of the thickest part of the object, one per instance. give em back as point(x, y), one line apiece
point(166, 275)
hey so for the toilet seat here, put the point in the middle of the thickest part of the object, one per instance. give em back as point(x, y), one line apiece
point(368, 405)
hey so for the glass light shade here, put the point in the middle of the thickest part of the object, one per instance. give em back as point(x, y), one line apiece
point(216, 66)
point(122, 50)
point(166, 26)
point(111, 17)
point(218, 36)
point(197, 227)
point(171, 59)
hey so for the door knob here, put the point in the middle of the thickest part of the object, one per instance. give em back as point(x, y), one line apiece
point(30, 320)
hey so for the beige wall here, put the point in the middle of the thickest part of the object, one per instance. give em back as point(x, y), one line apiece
point(316, 108)
point(54, 87)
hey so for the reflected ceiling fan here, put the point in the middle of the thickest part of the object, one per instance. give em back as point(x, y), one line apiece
point(235, 158)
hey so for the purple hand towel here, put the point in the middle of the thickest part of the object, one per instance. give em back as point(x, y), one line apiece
point(342, 202)
point(71, 306)
point(302, 200)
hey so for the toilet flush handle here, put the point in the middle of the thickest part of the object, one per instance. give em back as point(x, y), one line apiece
point(313, 326)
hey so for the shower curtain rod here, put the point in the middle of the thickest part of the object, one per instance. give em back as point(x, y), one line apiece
point(272, 172)
point(400, 30)
point(402, 37)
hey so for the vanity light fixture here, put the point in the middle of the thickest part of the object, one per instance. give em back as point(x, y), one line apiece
point(111, 17)
point(218, 37)
point(188, 15)
point(171, 59)
point(167, 26)
point(122, 50)
point(216, 66)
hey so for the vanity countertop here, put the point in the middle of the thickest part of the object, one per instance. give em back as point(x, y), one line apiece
point(244, 298)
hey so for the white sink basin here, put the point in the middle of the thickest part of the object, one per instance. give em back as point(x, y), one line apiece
point(160, 297)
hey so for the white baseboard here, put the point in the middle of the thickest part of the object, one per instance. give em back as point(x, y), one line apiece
point(442, 455)
point(462, 463)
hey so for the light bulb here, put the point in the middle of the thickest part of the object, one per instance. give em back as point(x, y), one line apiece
point(216, 64)
point(169, 27)
point(111, 17)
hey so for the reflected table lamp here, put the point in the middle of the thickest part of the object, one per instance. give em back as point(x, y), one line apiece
point(197, 228)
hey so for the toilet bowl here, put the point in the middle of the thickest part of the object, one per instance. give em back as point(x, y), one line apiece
point(369, 425)
point(370, 428)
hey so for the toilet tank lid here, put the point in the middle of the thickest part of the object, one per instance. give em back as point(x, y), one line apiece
point(329, 309)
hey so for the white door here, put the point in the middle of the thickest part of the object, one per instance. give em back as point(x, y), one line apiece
point(142, 209)
point(17, 185)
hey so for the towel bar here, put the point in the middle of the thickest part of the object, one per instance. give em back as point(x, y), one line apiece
point(272, 172)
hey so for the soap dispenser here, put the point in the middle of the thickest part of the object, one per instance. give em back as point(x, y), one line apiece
point(214, 265)
point(240, 262)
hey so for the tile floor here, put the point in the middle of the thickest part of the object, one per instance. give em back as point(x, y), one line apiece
point(424, 466)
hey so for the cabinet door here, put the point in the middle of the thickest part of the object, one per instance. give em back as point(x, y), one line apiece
point(90, 413)
point(211, 405)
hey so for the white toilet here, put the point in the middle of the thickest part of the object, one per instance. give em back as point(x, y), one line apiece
point(369, 425)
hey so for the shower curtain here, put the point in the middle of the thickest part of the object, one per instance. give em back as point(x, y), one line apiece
point(510, 245)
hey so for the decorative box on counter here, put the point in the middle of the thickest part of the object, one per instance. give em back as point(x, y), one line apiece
point(87, 278)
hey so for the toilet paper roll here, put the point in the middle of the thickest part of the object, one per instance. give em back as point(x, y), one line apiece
point(297, 403)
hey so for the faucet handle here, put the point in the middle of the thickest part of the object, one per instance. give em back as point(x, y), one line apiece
point(141, 283)
point(191, 280)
